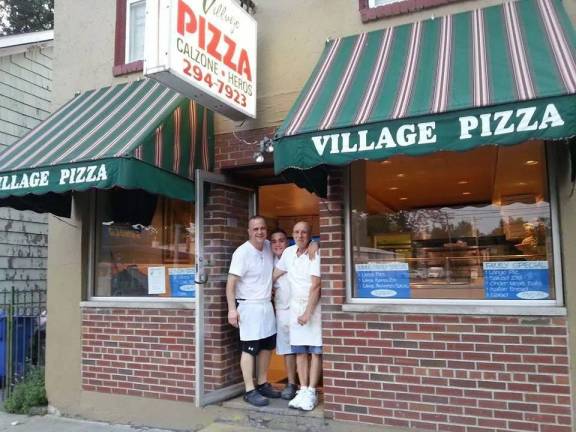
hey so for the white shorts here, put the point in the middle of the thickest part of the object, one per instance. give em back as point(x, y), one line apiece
point(283, 346)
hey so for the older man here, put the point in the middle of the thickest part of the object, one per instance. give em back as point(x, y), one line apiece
point(248, 292)
point(305, 316)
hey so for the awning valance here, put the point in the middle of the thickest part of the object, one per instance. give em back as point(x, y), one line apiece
point(499, 75)
point(140, 136)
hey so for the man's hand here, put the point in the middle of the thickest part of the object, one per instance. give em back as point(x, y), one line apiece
point(312, 250)
point(233, 317)
point(304, 318)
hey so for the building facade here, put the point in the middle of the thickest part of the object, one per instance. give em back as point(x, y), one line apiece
point(454, 353)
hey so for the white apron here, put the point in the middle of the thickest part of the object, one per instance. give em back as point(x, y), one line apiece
point(257, 320)
point(309, 334)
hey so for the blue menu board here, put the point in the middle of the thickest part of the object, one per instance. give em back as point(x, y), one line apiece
point(516, 280)
point(182, 282)
point(383, 280)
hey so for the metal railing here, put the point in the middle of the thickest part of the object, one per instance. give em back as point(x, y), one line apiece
point(22, 335)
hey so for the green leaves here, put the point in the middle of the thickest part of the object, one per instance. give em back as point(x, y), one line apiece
point(23, 16)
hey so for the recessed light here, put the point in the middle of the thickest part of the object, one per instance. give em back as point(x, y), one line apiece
point(392, 188)
point(400, 175)
point(385, 162)
point(531, 162)
point(521, 184)
point(463, 182)
point(466, 193)
point(403, 198)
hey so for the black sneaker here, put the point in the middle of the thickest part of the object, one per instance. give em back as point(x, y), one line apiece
point(268, 391)
point(255, 398)
point(289, 391)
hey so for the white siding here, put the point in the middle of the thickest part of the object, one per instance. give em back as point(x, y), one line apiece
point(25, 98)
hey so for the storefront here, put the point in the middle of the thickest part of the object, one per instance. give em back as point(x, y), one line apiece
point(441, 147)
point(441, 156)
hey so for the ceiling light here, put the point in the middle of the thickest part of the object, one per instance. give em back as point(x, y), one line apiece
point(385, 162)
point(521, 184)
point(400, 175)
point(463, 182)
point(392, 188)
point(403, 198)
point(531, 162)
point(466, 193)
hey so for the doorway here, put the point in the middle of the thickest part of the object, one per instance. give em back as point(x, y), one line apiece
point(283, 205)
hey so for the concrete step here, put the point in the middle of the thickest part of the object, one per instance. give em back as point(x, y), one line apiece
point(276, 416)
point(223, 427)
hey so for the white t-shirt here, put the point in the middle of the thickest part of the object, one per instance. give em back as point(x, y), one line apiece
point(254, 268)
point(300, 270)
point(282, 291)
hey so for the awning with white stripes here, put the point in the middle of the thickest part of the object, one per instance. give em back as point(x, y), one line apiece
point(498, 75)
point(140, 136)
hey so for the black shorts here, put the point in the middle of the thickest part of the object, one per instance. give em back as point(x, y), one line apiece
point(253, 347)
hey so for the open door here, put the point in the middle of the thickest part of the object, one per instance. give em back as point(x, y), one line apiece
point(222, 212)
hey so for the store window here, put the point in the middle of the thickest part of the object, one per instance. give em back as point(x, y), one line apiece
point(473, 225)
point(129, 45)
point(144, 246)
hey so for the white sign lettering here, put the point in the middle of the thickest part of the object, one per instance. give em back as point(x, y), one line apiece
point(83, 174)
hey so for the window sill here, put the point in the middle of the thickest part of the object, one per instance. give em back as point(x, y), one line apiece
point(128, 68)
point(137, 303)
point(397, 8)
point(456, 309)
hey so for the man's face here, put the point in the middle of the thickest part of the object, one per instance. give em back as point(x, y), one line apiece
point(279, 243)
point(257, 232)
point(301, 234)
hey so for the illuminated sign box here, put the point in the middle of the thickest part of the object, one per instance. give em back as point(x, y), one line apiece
point(205, 50)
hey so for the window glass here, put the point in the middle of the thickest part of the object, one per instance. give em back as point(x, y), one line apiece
point(375, 3)
point(134, 260)
point(136, 17)
point(471, 225)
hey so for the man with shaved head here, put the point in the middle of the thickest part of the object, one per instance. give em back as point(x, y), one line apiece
point(305, 316)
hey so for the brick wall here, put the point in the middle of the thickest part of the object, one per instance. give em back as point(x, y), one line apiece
point(139, 352)
point(226, 223)
point(456, 373)
point(231, 151)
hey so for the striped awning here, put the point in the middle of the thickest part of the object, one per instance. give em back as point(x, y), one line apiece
point(498, 75)
point(140, 135)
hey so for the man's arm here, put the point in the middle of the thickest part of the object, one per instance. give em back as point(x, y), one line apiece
point(313, 299)
point(277, 273)
point(233, 316)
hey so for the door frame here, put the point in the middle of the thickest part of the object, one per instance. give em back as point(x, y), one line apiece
point(202, 178)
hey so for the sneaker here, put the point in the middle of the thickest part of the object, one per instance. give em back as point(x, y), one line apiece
point(268, 391)
point(295, 402)
point(255, 398)
point(289, 391)
point(309, 400)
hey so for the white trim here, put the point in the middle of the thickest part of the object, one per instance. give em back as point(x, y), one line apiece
point(456, 309)
point(512, 307)
point(26, 38)
point(139, 303)
point(378, 3)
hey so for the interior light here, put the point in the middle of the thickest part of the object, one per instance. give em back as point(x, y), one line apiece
point(392, 188)
point(521, 184)
point(400, 175)
point(403, 198)
point(531, 162)
point(385, 162)
point(466, 193)
point(463, 182)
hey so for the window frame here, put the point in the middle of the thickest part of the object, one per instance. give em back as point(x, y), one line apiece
point(121, 42)
point(464, 306)
point(370, 12)
point(110, 301)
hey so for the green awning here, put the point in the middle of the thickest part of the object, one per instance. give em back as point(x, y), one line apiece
point(498, 75)
point(140, 136)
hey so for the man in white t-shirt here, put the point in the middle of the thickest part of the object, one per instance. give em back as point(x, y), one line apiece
point(281, 289)
point(248, 292)
point(305, 314)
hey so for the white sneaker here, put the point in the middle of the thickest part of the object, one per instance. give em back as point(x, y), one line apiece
point(309, 400)
point(297, 400)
